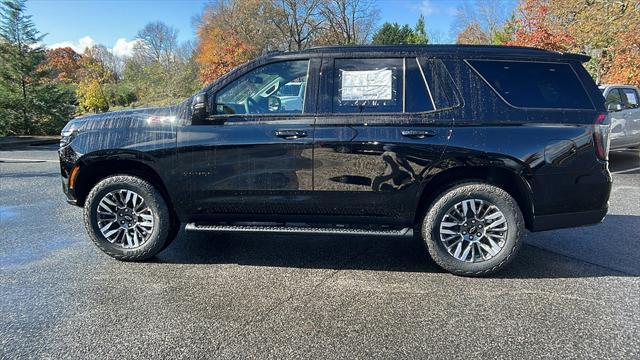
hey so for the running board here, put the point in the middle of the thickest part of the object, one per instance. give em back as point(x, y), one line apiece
point(299, 230)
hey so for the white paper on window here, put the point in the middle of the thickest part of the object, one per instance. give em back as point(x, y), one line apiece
point(631, 97)
point(367, 85)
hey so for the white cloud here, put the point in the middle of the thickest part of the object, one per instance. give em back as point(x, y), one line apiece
point(77, 46)
point(427, 8)
point(122, 47)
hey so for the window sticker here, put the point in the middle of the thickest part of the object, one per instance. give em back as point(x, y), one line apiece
point(631, 97)
point(367, 85)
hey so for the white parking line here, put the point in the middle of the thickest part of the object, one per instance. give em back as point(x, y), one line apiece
point(13, 160)
point(625, 171)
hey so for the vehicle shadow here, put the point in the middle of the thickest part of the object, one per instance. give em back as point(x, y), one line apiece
point(357, 253)
point(625, 160)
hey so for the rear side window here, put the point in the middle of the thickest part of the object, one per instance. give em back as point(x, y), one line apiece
point(368, 85)
point(391, 85)
point(419, 95)
point(534, 84)
point(440, 84)
point(631, 97)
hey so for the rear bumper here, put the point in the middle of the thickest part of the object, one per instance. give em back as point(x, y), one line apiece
point(568, 220)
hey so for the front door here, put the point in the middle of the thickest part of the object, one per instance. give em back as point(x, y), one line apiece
point(253, 156)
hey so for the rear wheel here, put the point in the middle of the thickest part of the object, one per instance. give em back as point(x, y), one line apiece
point(473, 229)
point(127, 218)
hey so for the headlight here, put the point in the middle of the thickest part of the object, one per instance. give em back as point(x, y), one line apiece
point(68, 133)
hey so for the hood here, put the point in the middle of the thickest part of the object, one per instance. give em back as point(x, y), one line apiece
point(124, 118)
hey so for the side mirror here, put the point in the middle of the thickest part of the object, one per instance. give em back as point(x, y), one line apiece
point(199, 108)
point(615, 107)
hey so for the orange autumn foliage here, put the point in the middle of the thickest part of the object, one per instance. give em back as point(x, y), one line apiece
point(533, 28)
point(64, 64)
point(219, 51)
point(624, 67)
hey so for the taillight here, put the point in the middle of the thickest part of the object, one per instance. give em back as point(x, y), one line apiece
point(601, 131)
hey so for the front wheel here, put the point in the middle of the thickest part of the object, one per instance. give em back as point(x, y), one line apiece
point(127, 218)
point(473, 229)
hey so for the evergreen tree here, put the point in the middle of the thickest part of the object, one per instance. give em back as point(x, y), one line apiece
point(392, 34)
point(29, 103)
point(419, 33)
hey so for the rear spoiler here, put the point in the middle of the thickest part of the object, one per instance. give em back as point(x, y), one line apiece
point(573, 56)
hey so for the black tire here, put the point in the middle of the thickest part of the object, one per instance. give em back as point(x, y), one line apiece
point(465, 191)
point(162, 229)
point(173, 234)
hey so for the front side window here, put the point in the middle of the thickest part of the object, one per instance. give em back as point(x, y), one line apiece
point(276, 88)
point(368, 86)
point(613, 97)
point(534, 84)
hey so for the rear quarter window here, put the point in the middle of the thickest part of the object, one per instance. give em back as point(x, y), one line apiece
point(534, 84)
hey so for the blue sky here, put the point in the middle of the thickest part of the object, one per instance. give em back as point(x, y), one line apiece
point(114, 23)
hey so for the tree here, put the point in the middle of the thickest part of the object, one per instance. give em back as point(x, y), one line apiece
point(94, 75)
point(160, 71)
point(420, 35)
point(482, 22)
point(111, 65)
point(599, 28)
point(29, 102)
point(63, 64)
point(390, 34)
point(347, 21)
point(158, 43)
point(297, 21)
point(91, 96)
point(233, 32)
point(250, 21)
point(472, 34)
point(534, 28)
point(624, 66)
point(219, 51)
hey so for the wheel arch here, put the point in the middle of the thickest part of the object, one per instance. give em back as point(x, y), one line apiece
point(95, 167)
point(506, 179)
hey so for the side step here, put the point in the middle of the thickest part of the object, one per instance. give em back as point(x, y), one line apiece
point(299, 229)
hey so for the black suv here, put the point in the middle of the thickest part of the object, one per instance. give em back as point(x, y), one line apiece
point(467, 146)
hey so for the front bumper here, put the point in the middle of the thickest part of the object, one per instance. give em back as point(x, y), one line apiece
point(68, 159)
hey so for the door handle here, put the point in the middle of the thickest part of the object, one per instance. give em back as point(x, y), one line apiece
point(291, 134)
point(418, 134)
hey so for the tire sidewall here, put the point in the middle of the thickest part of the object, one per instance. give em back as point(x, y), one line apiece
point(500, 198)
point(152, 198)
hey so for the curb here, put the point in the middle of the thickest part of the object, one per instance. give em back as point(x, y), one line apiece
point(18, 143)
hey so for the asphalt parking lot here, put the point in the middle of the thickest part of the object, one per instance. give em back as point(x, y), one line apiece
point(570, 293)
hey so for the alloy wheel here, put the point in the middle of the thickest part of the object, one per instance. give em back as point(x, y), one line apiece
point(124, 218)
point(473, 230)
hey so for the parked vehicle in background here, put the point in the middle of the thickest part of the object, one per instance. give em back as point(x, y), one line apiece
point(467, 146)
point(291, 96)
point(623, 104)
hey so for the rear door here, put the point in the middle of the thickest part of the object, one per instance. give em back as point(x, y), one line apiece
point(382, 124)
point(631, 114)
